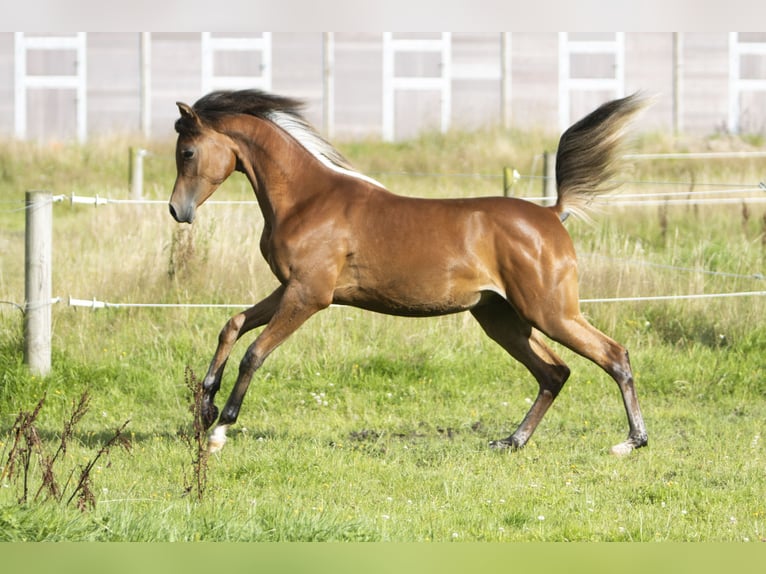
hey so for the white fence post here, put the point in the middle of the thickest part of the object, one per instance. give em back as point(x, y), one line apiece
point(328, 84)
point(678, 82)
point(506, 79)
point(37, 282)
point(550, 191)
point(145, 57)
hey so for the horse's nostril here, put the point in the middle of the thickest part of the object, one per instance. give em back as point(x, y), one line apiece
point(173, 211)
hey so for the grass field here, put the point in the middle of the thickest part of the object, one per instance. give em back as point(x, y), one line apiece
point(368, 427)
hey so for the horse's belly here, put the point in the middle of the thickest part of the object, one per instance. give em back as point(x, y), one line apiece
point(413, 302)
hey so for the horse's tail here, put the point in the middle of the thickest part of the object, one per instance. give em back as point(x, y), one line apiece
point(589, 154)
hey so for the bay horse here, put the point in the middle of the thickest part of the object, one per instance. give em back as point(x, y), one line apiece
point(335, 236)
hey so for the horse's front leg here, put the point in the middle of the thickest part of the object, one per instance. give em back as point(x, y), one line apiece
point(295, 307)
point(238, 325)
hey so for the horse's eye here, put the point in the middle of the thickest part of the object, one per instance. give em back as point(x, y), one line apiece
point(187, 153)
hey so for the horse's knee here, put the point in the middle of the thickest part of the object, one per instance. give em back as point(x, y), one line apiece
point(231, 330)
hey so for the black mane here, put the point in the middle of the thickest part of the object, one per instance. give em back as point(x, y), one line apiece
point(282, 111)
point(252, 102)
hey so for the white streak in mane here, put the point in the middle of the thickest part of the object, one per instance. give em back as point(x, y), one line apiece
point(312, 142)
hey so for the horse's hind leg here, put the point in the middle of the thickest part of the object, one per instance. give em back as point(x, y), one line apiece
point(584, 339)
point(504, 325)
point(238, 325)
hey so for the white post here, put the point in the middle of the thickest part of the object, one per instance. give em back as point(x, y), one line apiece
point(82, 87)
point(266, 62)
point(549, 178)
point(388, 87)
point(506, 76)
point(564, 66)
point(678, 82)
point(733, 123)
point(37, 263)
point(446, 69)
point(328, 95)
point(20, 86)
point(619, 64)
point(146, 83)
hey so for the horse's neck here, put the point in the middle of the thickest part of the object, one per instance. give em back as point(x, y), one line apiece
point(281, 171)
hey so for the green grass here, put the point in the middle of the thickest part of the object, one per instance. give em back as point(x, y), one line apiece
point(374, 428)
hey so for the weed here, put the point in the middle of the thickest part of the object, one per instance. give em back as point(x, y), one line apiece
point(181, 252)
point(196, 440)
point(27, 446)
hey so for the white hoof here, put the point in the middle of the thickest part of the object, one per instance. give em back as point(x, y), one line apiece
point(622, 449)
point(217, 439)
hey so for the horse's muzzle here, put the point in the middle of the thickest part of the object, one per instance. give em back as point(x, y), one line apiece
point(182, 215)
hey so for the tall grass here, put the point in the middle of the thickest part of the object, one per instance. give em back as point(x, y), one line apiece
point(368, 427)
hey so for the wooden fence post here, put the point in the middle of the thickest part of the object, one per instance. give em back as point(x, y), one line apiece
point(37, 281)
point(137, 173)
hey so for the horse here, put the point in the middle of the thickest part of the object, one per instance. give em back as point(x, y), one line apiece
point(334, 236)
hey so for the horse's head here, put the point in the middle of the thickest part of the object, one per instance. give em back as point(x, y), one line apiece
point(204, 159)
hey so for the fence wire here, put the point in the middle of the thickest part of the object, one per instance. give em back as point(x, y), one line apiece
point(614, 199)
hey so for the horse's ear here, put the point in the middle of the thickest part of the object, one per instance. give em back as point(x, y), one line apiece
point(187, 112)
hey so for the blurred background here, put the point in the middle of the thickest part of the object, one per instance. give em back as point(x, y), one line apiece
point(372, 85)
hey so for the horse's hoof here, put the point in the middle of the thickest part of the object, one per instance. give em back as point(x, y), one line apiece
point(217, 439)
point(622, 449)
point(506, 444)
